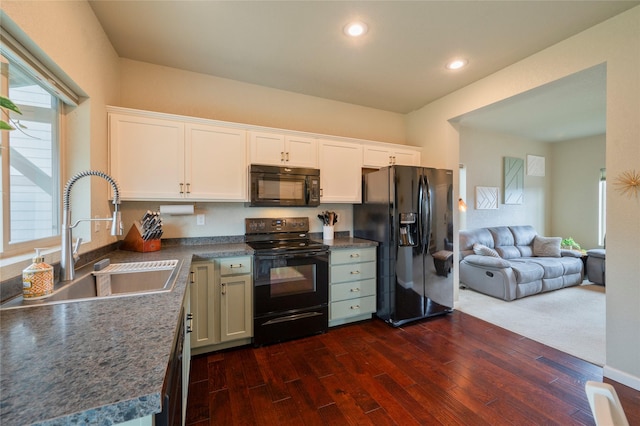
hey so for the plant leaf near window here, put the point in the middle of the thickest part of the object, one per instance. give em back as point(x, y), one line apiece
point(7, 105)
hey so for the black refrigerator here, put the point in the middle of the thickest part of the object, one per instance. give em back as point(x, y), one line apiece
point(408, 211)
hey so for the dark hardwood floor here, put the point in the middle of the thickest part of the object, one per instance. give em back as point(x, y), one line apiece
point(451, 370)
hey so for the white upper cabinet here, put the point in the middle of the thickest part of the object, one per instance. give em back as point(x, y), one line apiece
point(165, 159)
point(283, 150)
point(146, 157)
point(340, 171)
point(215, 163)
point(377, 156)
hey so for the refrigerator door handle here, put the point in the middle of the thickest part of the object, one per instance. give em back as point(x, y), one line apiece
point(421, 207)
point(428, 213)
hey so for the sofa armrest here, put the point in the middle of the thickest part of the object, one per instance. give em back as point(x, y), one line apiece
point(570, 253)
point(487, 261)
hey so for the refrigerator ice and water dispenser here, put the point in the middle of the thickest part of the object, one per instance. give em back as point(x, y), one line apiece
point(408, 229)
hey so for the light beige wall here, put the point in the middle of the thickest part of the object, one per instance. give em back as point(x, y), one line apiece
point(576, 165)
point(67, 34)
point(482, 152)
point(227, 219)
point(156, 88)
point(615, 42)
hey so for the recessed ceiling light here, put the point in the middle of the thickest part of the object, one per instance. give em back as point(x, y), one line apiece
point(456, 64)
point(355, 29)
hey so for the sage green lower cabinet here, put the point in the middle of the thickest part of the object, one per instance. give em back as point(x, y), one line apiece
point(236, 299)
point(352, 289)
point(221, 303)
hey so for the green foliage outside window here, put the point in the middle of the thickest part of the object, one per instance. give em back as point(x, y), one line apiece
point(7, 105)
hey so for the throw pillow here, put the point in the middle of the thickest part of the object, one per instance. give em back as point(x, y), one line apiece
point(546, 246)
point(483, 250)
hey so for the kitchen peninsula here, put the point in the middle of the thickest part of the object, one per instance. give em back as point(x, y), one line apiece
point(102, 361)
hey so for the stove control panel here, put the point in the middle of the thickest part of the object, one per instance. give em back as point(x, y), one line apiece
point(276, 225)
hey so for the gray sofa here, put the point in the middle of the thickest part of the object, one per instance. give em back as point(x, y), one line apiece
point(511, 262)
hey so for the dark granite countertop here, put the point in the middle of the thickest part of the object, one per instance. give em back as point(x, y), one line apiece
point(349, 242)
point(99, 361)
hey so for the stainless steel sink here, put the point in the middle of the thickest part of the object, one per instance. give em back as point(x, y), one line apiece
point(116, 280)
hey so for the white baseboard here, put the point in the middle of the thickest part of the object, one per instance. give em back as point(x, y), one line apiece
point(621, 377)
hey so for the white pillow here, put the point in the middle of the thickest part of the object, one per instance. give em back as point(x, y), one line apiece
point(483, 250)
point(546, 246)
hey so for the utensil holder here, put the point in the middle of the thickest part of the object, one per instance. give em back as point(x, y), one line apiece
point(327, 232)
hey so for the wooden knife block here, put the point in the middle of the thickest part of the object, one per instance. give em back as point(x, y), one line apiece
point(134, 242)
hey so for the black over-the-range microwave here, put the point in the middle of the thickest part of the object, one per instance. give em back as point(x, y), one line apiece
point(274, 186)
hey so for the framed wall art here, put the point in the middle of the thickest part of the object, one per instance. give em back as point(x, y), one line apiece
point(513, 180)
point(535, 165)
point(486, 197)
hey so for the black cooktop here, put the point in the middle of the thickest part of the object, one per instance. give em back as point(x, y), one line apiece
point(285, 245)
point(279, 234)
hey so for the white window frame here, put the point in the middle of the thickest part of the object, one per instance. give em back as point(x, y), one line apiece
point(13, 52)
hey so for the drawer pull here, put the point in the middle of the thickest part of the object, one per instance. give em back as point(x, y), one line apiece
point(354, 290)
point(355, 272)
point(190, 321)
point(355, 255)
point(355, 307)
point(239, 265)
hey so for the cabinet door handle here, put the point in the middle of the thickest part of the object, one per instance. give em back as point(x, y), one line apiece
point(193, 277)
point(282, 156)
point(355, 307)
point(355, 272)
point(287, 156)
point(190, 323)
point(188, 188)
point(224, 288)
point(355, 255)
point(181, 188)
point(355, 290)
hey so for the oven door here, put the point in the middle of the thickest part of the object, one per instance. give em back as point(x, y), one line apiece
point(290, 281)
point(274, 189)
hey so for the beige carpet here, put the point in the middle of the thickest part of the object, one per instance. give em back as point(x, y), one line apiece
point(571, 319)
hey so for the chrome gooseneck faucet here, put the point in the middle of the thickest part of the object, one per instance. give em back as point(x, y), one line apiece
point(69, 255)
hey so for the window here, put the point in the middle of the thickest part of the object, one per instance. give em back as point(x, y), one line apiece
point(602, 207)
point(30, 155)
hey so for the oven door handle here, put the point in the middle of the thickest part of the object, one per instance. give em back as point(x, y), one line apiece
point(293, 317)
point(290, 255)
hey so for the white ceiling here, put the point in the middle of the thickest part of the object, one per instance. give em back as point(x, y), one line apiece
point(299, 46)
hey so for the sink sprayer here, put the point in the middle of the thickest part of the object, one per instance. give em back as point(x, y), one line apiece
point(69, 255)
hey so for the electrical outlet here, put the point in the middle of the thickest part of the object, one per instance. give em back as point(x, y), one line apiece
point(96, 224)
point(200, 219)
